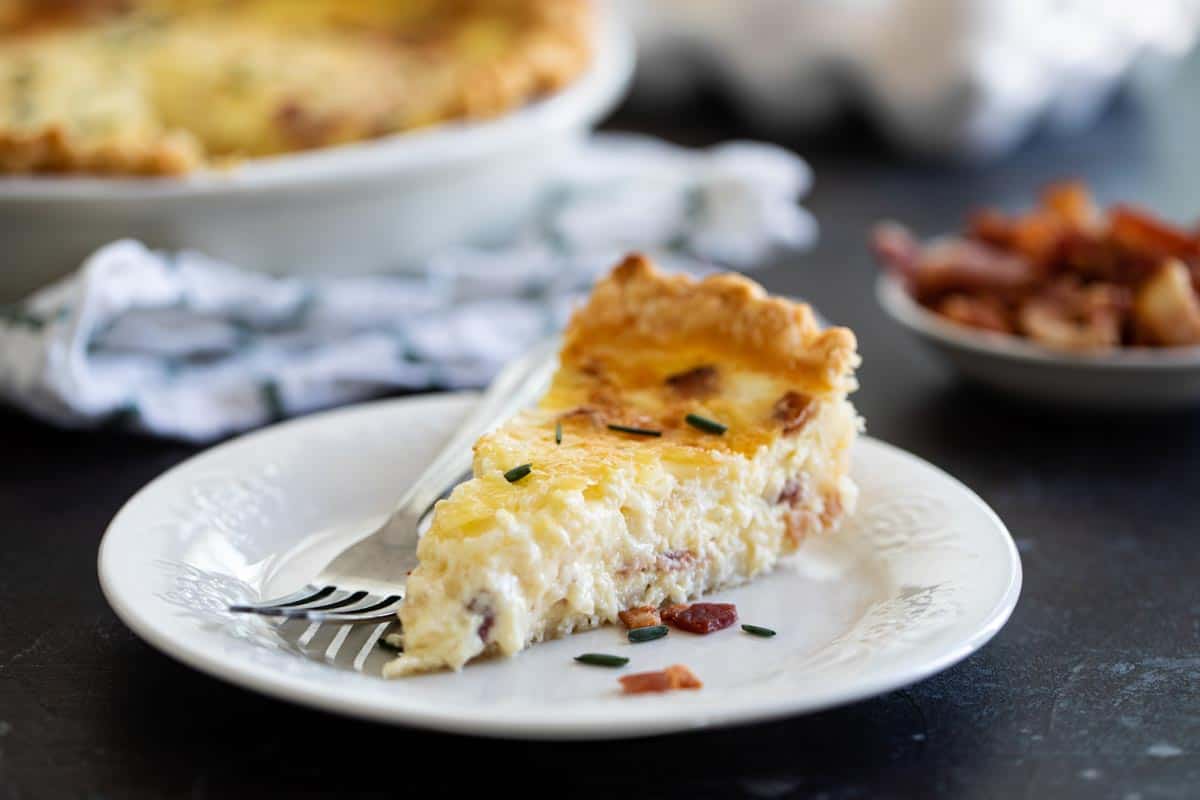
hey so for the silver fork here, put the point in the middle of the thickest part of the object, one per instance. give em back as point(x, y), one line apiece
point(365, 583)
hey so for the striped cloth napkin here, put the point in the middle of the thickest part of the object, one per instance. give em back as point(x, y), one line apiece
point(184, 346)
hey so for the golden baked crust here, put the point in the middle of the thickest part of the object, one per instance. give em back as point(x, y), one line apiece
point(637, 307)
point(146, 87)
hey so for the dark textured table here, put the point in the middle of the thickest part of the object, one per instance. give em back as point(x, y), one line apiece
point(1091, 691)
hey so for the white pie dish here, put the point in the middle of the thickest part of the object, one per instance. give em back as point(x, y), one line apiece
point(376, 205)
point(1129, 379)
point(923, 574)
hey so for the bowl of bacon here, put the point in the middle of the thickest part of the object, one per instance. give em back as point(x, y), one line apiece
point(1067, 304)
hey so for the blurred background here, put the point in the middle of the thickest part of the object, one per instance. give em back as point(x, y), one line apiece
point(938, 78)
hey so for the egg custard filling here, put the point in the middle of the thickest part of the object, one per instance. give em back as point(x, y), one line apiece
point(696, 432)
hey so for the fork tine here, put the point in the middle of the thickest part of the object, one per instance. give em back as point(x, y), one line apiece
point(298, 608)
point(348, 600)
point(309, 594)
point(384, 610)
point(368, 646)
point(372, 603)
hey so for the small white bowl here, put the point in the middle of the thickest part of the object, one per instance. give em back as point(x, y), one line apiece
point(371, 206)
point(1129, 379)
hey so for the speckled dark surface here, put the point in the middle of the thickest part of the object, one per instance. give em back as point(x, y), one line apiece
point(1091, 691)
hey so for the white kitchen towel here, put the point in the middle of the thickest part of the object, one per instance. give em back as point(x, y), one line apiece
point(185, 346)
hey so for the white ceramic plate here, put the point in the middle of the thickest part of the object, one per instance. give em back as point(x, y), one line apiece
point(922, 575)
point(377, 205)
point(1130, 379)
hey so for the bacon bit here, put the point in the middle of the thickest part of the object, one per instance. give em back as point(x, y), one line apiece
point(800, 520)
point(674, 560)
point(701, 617)
point(1070, 316)
point(794, 410)
point(673, 677)
point(985, 313)
point(696, 383)
point(1065, 275)
point(833, 509)
point(480, 605)
point(795, 491)
point(640, 617)
point(1072, 203)
point(1096, 257)
point(1138, 232)
point(961, 265)
point(672, 610)
point(800, 523)
point(671, 561)
point(302, 126)
point(1036, 236)
point(593, 368)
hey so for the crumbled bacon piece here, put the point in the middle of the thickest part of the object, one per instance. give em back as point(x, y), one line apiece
point(1064, 274)
point(695, 383)
point(976, 312)
point(673, 560)
point(1138, 232)
point(673, 677)
point(482, 605)
point(794, 410)
point(701, 617)
point(833, 509)
point(640, 617)
point(302, 125)
point(1074, 317)
point(1072, 203)
point(795, 491)
point(1037, 237)
point(671, 610)
point(961, 265)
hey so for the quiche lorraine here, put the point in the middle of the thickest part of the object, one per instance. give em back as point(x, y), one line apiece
point(695, 432)
point(168, 86)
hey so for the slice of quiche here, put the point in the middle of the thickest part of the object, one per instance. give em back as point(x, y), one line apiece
point(696, 431)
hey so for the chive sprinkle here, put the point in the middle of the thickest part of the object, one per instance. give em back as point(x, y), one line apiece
point(705, 424)
point(648, 633)
point(516, 473)
point(558, 433)
point(758, 630)
point(634, 431)
point(602, 660)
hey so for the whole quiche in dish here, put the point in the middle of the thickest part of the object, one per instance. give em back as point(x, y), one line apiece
point(161, 87)
point(695, 432)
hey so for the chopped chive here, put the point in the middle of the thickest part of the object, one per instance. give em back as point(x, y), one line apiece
point(558, 433)
point(602, 660)
point(648, 633)
point(705, 424)
point(516, 473)
point(758, 630)
point(634, 431)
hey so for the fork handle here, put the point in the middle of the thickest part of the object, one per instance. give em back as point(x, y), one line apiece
point(517, 385)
